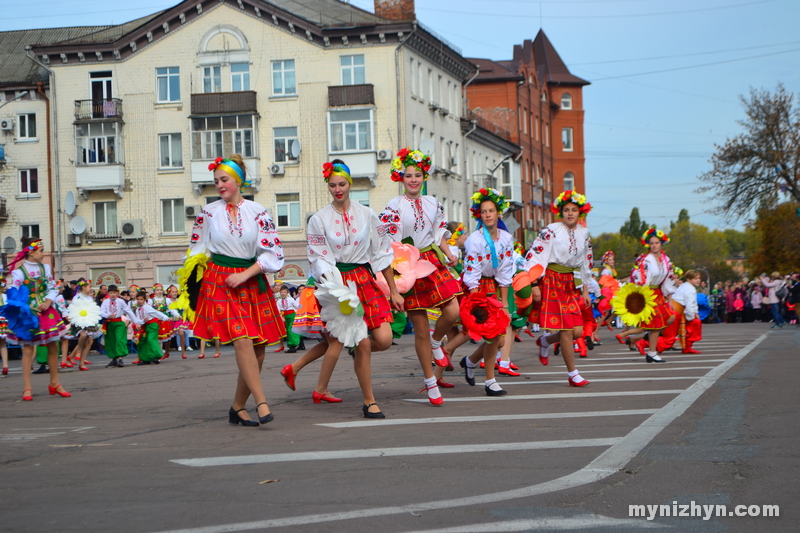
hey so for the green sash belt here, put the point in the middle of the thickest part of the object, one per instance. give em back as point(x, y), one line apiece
point(561, 269)
point(236, 262)
point(438, 251)
point(349, 267)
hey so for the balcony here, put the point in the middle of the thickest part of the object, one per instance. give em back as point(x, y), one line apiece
point(108, 109)
point(224, 103)
point(344, 95)
point(100, 177)
point(3, 210)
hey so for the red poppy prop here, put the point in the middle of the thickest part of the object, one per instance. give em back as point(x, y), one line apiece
point(483, 317)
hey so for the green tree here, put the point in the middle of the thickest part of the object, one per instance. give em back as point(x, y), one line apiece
point(683, 216)
point(634, 227)
point(778, 242)
point(625, 249)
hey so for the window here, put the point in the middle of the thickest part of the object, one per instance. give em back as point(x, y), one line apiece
point(240, 76)
point(505, 181)
point(170, 150)
point(569, 181)
point(444, 206)
point(430, 85)
point(30, 231)
point(283, 82)
point(547, 134)
point(217, 136)
point(353, 72)
point(566, 138)
point(27, 126)
point(525, 120)
point(284, 137)
point(29, 181)
point(168, 83)
point(105, 218)
point(544, 96)
point(414, 140)
point(361, 197)
point(212, 79)
point(288, 209)
point(350, 130)
point(566, 101)
point(172, 216)
point(96, 143)
point(537, 127)
point(413, 74)
point(419, 78)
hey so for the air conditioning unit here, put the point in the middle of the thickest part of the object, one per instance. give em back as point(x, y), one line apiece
point(131, 229)
point(73, 240)
point(385, 155)
point(277, 169)
point(444, 111)
point(529, 224)
point(541, 223)
point(539, 182)
point(193, 210)
point(433, 106)
point(7, 124)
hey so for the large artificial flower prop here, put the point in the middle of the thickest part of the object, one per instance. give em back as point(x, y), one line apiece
point(635, 304)
point(340, 308)
point(17, 311)
point(190, 277)
point(492, 195)
point(483, 317)
point(409, 158)
point(83, 313)
point(657, 233)
point(571, 197)
point(408, 268)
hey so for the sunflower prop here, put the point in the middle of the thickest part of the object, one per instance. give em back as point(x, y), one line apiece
point(483, 317)
point(83, 313)
point(340, 308)
point(635, 304)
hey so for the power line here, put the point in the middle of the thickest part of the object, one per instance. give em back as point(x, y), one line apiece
point(652, 130)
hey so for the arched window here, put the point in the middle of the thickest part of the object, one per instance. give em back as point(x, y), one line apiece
point(569, 181)
point(566, 101)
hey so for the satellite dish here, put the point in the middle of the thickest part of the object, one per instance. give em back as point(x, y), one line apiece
point(69, 203)
point(427, 146)
point(77, 225)
point(9, 245)
point(295, 148)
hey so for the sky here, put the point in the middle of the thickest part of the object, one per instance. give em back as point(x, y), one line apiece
point(666, 78)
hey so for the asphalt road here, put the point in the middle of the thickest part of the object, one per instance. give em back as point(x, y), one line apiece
point(146, 449)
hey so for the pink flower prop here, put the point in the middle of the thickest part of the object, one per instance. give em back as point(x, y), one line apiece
point(408, 268)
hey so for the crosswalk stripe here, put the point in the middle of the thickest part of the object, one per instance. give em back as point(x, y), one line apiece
point(620, 370)
point(585, 364)
point(555, 396)
point(602, 380)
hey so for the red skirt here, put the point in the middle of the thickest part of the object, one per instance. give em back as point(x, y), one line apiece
point(662, 313)
point(166, 330)
point(560, 308)
point(375, 302)
point(434, 290)
point(231, 314)
point(307, 321)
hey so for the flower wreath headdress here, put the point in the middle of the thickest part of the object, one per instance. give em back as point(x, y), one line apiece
point(663, 237)
point(406, 158)
point(483, 195)
point(571, 197)
point(336, 169)
point(519, 248)
point(607, 256)
point(232, 168)
point(33, 246)
point(677, 271)
point(459, 231)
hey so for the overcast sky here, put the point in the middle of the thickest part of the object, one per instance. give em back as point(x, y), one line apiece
point(666, 77)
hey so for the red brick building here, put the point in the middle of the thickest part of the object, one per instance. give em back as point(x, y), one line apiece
point(539, 103)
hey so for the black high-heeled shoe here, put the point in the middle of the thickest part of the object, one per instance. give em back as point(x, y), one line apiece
point(234, 418)
point(368, 414)
point(264, 419)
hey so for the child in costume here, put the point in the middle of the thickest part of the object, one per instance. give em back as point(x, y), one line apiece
point(288, 307)
point(83, 304)
point(3, 329)
point(307, 322)
point(166, 328)
point(147, 318)
point(181, 326)
point(113, 310)
point(687, 327)
point(32, 318)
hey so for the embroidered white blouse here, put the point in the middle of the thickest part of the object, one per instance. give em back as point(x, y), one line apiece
point(35, 270)
point(113, 308)
point(143, 314)
point(353, 237)
point(686, 295)
point(251, 234)
point(655, 272)
point(478, 259)
point(287, 304)
point(161, 303)
point(567, 247)
point(422, 219)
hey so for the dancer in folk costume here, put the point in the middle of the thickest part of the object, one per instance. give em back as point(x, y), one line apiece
point(687, 327)
point(62, 307)
point(181, 326)
point(560, 250)
point(147, 318)
point(84, 304)
point(166, 328)
point(288, 307)
point(413, 216)
point(488, 270)
point(307, 322)
point(234, 243)
point(346, 240)
point(32, 319)
point(609, 285)
point(3, 329)
point(113, 310)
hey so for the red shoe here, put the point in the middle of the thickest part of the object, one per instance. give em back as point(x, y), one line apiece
point(63, 365)
point(507, 371)
point(165, 356)
point(444, 384)
point(542, 359)
point(5, 370)
point(529, 332)
point(620, 339)
point(279, 350)
point(512, 366)
point(442, 361)
point(87, 362)
point(434, 401)
point(54, 390)
point(216, 355)
point(83, 368)
point(610, 327)
point(482, 365)
point(201, 356)
point(642, 345)
point(689, 350)
point(577, 381)
point(184, 356)
point(27, 398)
point(317, 397)
point(288, 376)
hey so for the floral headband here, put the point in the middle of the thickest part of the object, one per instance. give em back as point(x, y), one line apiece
point(407, 158)
point(82, 283)
point(483, 195)
point(571, 197)
point(158, 286)
point(33, 246)
point(653, 232)
point(232, 168)
point(519, 248)
point(336, 169)
point(607, 256)
point(458, 232)
point(172, 287)
point(677, 271)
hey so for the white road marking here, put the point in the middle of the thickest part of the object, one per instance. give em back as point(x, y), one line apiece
point(590, 521)
point(649, 369)
point(555, 396)
point(585, 363)
point(493, 418)
point(602, 380)
point(665, 355)
point(39, 433)
point(394, 452)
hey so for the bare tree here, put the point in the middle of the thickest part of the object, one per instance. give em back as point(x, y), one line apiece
point(760, 167)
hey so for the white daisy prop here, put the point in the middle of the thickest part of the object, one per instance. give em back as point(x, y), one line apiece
point(340, 308)
point(83, 313)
